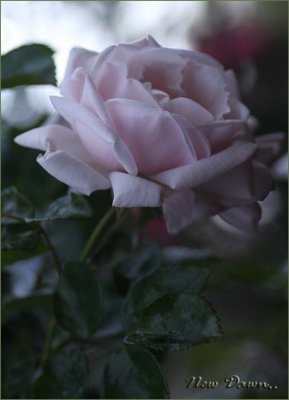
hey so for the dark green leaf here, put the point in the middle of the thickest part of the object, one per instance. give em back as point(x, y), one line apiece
point(133, 373)
point(165, 280)
point(15, 205)
point(175, 322)
point(28, 65)
point(38, 299)
point(12, 256)
point(17, 208)
point(143, 261)
point(77, 301)
point(64, 376)
point(67, 207)
point(138, 263)
point(20, 241)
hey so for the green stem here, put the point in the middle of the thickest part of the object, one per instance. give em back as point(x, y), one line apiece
point(57, 261)
point(11, 216)
point(48, 341)
point(98, 230)
point(62, 342)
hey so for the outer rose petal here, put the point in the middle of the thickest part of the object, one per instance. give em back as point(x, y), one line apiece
point(189, 109)
point(80, 116)
point(201, 58)
point(263, 182)
point(162, 67)
point(280, 167)
point(245, 217)
point(74, 112)
point(197, 140)
point(124, 156)
point(153, 136)
point(78, 57)
point(183, 208)
point(237, 183)
point(92, 100)
point(73, 172)
point(222, 134)
point(146, 61)
point(198, 172)
point(103, 153)
point(121, 53)
point(206, 86)
point(269, 146)
point(114, 82)
point(232, 83)
point(55, 137)
point(133, 191)
point(237, 110)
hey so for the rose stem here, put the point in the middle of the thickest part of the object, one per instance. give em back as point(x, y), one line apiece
point(48, 340)
point(57, 261)
point(52, 325)
point(97, 231)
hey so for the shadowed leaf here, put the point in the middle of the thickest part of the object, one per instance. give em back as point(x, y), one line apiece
point(28, 65)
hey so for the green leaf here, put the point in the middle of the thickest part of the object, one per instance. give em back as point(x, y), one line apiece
point(175, 322)
point(64, 376)
point(70, 206)
point(17, 208)
point(38, 299)
point(138, 263)
point(12, 256)
point(165, 280)
point(133, 373)
point(20, 241)
point(28, 65)
point(77, 301)
point(15, 205)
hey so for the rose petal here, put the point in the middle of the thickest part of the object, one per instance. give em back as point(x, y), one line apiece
point(153, 136)
point(189, 109)
point(92, 100)
point(122, 53)
point(237, 110)
point(198, 172)
point(206, 86)
point(73, 172)
point(245, 217)
point(201, 58)
point(160, 66)
point(56, 137)
point(280, 167)
point(222, 134)
point(263, 182)
point(269, 146)
point(102, 152)
point(114, 82)
point(74, 112)
point(183, 208)
point(197, 140)
point(237, 183)
point(133, 191)
point(125, 157)
point(232, 83)
point(152, 41)
point(78, 57)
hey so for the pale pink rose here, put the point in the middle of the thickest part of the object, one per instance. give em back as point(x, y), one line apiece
point(161, 127)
